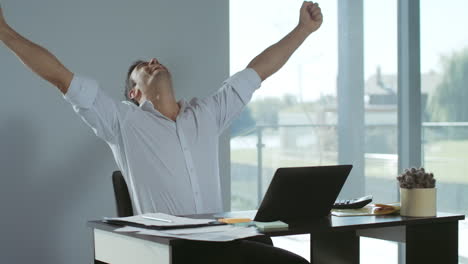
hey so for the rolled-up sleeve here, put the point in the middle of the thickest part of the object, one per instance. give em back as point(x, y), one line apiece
point(245, 83)
point(97, 110)
point(229, 101)
point(82, 92)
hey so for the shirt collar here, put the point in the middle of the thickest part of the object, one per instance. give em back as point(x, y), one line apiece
point(149, 107)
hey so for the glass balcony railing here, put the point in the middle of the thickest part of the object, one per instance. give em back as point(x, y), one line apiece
point(257, 154)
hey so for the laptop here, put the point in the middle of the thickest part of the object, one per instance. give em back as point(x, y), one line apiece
point(299, 194)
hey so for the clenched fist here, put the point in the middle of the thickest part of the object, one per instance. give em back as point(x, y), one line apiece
point(310, 16)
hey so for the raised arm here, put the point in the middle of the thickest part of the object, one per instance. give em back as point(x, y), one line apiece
point(35, 57)
point(274, 57)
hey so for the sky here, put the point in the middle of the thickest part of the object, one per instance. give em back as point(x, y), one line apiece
point(311, 72)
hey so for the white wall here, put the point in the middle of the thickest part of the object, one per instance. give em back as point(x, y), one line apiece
point(55, 174)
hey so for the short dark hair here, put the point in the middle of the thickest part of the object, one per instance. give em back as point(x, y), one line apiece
point(129, 83)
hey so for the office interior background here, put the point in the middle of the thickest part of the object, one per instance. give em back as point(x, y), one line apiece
point(375, 86)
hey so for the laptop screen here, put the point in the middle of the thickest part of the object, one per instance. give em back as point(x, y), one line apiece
point(302, 193)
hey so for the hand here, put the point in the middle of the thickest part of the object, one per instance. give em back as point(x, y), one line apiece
point(310, 16)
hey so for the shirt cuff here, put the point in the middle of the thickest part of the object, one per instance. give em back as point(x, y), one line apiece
point(245, 83)
point(82, 92)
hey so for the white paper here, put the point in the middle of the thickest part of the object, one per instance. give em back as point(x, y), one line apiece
point(175, 220)
point(227, 235)
point(215, 233)
point(126, 229)
point(197, 230)
point(205, 233)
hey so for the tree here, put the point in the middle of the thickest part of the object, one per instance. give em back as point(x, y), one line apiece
point(449, 103)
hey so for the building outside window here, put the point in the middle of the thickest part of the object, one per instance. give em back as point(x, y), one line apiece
point(293, 119)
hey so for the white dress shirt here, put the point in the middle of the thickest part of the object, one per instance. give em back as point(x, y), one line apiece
point(170, 167)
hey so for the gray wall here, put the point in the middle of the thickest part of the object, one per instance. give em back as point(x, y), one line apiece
point(55, 173)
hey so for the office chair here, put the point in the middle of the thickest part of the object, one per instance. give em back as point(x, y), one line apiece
point(122, 197)
point(124, 204)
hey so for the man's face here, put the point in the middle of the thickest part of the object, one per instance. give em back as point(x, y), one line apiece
point(149, 75)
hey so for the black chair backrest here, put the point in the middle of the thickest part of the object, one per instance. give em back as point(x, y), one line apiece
point(122, 197)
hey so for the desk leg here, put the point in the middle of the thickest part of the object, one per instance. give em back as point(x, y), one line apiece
point(334, 247)
point(432, 243)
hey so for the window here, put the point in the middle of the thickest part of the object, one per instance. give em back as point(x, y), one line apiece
point(381, 99)
point(381, 116)
point(444, 93)
point(292, 118)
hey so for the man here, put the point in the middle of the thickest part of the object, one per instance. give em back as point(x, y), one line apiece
point(167, 150)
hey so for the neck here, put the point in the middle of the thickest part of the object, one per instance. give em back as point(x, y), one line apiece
point(165, 103)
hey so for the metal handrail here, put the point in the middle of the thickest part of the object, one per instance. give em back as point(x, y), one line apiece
point(260, 127)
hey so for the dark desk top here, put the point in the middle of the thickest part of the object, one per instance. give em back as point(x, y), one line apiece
point(111, 228)
point(335, 223)
point(326, 224)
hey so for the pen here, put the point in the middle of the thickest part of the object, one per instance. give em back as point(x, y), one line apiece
point(157, 219)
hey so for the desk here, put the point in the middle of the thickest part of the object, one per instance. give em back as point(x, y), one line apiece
point(333, 240)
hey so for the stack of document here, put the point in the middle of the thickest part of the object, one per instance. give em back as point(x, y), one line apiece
point(161, 221)
point(164, 225)
point(261, 226)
